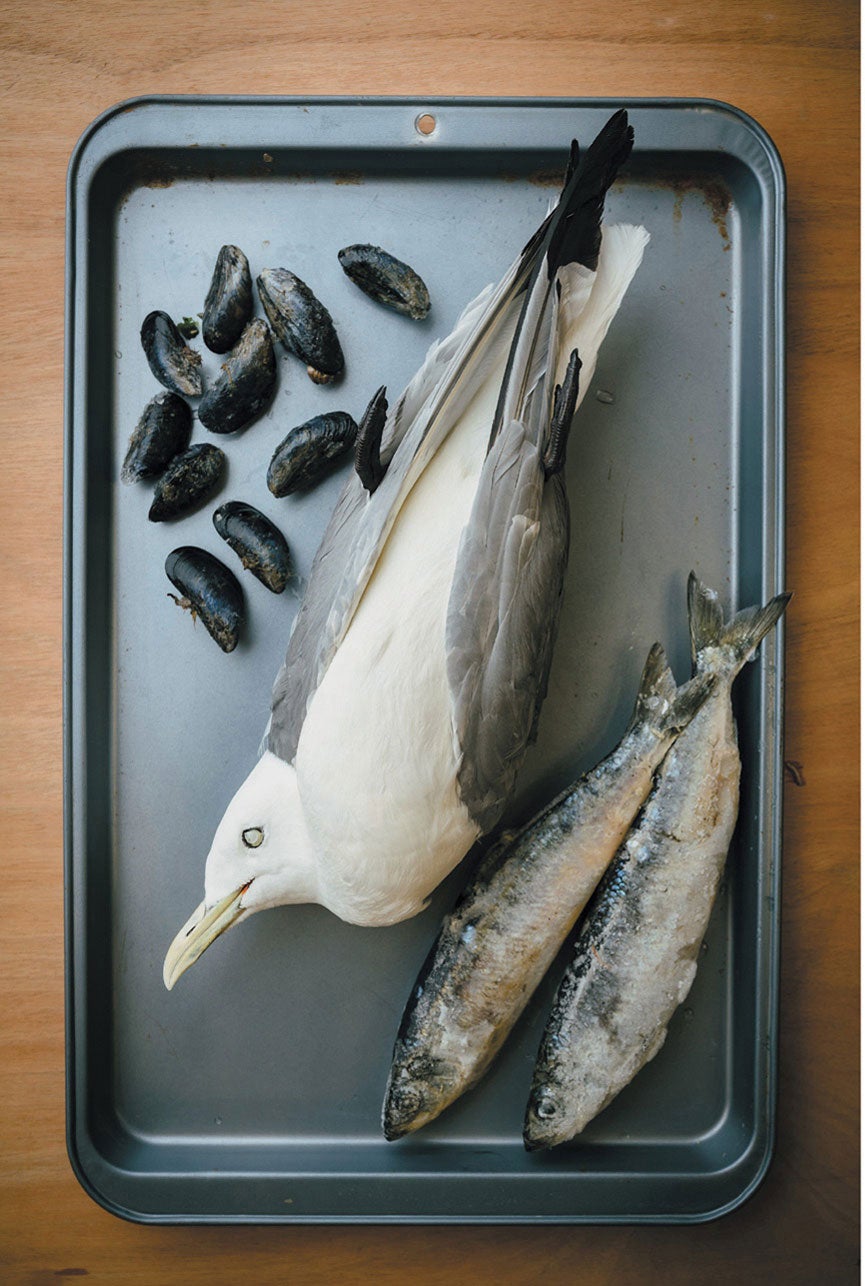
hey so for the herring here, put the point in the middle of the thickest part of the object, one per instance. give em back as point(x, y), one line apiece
point(502, 936)
point(635, 956)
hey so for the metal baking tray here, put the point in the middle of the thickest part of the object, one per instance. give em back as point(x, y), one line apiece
point(252, 1092)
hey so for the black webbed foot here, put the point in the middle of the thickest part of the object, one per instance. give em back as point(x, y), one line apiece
point(564, 405)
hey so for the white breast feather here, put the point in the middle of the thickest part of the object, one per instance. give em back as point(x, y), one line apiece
point(381, 800)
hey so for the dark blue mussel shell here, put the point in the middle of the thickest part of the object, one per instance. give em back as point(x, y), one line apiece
point(210, 592)
point(175, 365)
point(310, 451)
point(260, 546)
point(386, 279)
point(228, 306)
point(246, 384)
point(190, 479)
point(302, 323)
point(163, 430)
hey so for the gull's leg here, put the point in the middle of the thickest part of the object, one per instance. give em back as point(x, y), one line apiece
point(564, 404)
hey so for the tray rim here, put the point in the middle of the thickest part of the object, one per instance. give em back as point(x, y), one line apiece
point(773, 488)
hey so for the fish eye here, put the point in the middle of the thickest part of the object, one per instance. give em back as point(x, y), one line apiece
point(253, 837)
point(545, 1105)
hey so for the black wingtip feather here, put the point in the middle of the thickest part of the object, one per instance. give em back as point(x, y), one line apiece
point(577, 233)
point(573, 162)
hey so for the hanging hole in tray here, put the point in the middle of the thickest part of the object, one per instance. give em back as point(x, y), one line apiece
point(425, 124)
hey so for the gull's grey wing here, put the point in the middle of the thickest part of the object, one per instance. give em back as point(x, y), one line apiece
point(505, 599)
point(502, 617)
point(449, 377)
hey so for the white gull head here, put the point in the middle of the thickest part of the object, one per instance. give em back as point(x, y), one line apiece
point(260, 857)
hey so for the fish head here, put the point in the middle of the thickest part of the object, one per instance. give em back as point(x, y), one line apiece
point(260, 857)
point(419, 1087)
point(548, 1119)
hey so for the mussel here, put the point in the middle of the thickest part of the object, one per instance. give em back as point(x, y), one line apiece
point(302, 323)
point(190, 478)
point(385, 279)
point(163, 430)
point(310, 451)
point(260, 546)
point(228, 306)
point(209, 591)
point(176, 366)
point(245, 387)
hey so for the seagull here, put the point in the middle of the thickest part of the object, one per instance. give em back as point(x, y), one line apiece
point(418, 660)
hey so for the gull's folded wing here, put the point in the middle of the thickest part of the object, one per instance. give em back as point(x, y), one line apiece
point(506, 594)
point(451, 374)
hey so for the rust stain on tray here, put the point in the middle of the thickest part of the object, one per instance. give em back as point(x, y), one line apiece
point(547, 178)
point(716, 198)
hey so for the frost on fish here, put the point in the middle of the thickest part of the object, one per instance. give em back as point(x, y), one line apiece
point(635, 956)
point(502, 936)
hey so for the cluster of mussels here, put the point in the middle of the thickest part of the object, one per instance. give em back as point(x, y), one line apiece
point(187, 476)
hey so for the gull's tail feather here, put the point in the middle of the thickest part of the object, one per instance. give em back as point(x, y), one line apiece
point(584, 322)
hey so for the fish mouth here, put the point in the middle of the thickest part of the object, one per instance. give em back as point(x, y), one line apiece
point(201, 929)
point(405, 1108)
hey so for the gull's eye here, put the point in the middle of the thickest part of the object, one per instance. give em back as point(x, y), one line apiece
point(253, 837)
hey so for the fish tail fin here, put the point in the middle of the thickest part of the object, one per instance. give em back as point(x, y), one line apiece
point(742, 635)
point(576, 235)
point(661, 704)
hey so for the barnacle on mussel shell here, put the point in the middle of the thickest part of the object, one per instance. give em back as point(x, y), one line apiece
point(259, 545)
point(176, 366)
point(310, 451)
point(245, 387)
point(387, 280)
point(302, 323)
point(228, 306)
point(163, 430)
point(190, 478)
point(209, 591)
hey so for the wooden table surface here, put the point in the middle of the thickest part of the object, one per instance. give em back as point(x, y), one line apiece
point(794, 66)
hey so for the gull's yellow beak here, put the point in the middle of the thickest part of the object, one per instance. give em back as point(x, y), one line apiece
point(202, 928)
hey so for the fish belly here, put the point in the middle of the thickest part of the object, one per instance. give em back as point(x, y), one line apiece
point(376, 761)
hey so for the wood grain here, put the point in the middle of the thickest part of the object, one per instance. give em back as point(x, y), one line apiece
point(794, 66)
